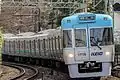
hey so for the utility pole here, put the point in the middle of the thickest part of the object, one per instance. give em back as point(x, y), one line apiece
point(35, 21)
point(112, 3)
point(39, 21)
point(109, 7)
point(86, 2)
point(37, 26)
point(0, 6)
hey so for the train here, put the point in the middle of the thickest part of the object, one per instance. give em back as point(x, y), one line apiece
point(84, 44)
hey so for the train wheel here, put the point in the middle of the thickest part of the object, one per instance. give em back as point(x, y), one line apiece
point(42, 63)
point(37, 62)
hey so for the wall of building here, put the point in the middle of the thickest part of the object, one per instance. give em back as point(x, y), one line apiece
point(117, 20)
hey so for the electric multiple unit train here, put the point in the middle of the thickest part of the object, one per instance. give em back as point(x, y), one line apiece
point(84, 43)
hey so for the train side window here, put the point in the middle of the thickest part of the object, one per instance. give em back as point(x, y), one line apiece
point(67, 38)
point(80, 37)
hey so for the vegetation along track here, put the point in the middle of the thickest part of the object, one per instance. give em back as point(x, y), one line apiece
point(26, 72)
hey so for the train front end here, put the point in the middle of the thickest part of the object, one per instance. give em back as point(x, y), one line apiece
point(88, 47)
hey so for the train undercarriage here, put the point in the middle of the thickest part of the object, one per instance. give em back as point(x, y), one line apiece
point(49, 63)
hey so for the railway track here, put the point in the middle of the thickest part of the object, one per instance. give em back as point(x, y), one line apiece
point(26, 72)
point(32, 72)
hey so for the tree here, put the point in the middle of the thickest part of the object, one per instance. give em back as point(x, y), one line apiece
point(95, 7)
point(116, 7)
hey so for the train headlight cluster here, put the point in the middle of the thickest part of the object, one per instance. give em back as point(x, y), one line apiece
point(70, 55)
point(107, 53)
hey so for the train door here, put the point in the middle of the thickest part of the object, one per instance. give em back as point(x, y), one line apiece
point(81, 44)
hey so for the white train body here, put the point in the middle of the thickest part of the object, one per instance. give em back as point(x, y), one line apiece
point(88, 46)
point(75, 44)
point(43, 44)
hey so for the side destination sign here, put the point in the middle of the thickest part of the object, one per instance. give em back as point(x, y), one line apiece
point(96, 53)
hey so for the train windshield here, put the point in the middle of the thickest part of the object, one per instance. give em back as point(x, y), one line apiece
point(67, 38)
point(101, 36)
point(80, 37)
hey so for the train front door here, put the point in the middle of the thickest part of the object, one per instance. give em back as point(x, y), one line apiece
point(81, 44)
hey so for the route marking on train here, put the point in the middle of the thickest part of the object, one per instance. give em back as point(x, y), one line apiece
point(96, 53)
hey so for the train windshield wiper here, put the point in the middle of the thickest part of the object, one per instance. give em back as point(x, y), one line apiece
point(92, 39)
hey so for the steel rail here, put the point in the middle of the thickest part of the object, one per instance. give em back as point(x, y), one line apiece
point(22, 70)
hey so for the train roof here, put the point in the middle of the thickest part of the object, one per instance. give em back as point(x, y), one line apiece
point(79, 20)
point(25, 34)
point(8, 35)
point(31, 35)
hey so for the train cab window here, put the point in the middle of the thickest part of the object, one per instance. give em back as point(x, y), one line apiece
point(101, 36)
point(67, 38)
point(80, 37)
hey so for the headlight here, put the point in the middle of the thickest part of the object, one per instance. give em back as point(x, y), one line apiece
point(70, 55)
point(107, 53)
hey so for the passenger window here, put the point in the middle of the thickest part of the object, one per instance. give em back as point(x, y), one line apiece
point(67, 38)
point(80, 37)
point(101, 36)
